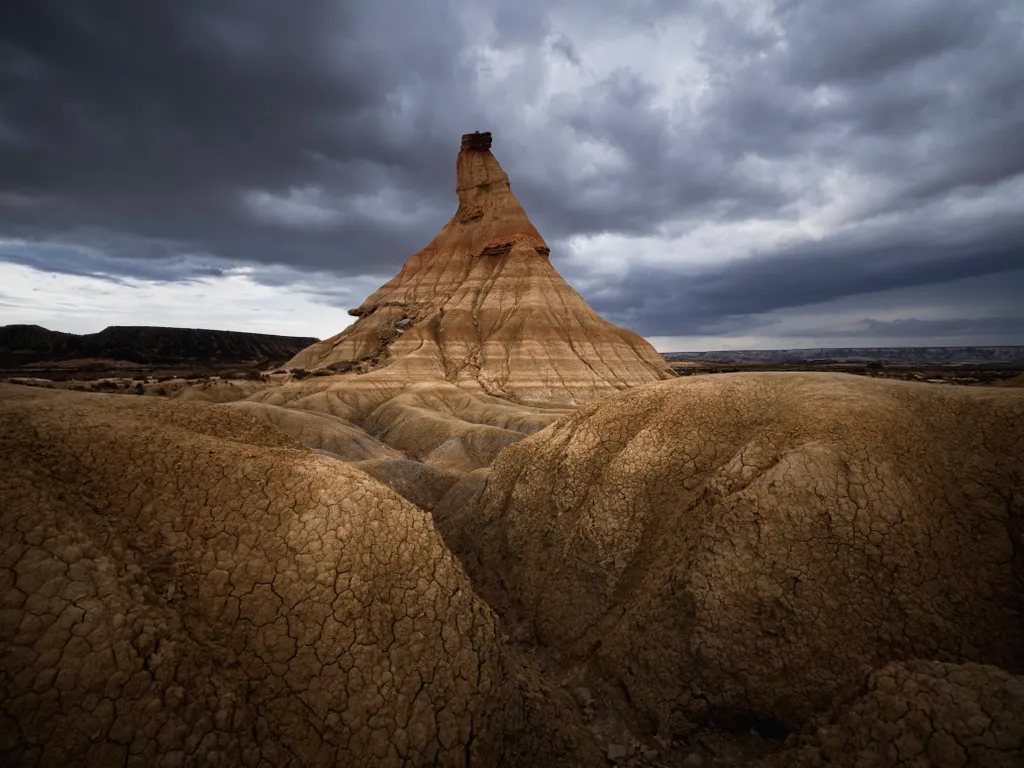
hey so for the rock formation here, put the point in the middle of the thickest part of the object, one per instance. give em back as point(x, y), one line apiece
point(417, 439)
point(482, 307)
point(748, 546)
point(182, 584)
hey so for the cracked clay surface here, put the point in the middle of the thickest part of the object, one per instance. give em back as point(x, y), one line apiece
point(182, 584)
point(921, 714)
point(754, 545)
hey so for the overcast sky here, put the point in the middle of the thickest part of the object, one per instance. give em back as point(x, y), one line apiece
point(713, 175)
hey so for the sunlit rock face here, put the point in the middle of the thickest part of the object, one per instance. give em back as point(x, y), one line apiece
point(482, 307)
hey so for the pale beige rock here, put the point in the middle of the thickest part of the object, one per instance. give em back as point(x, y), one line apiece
point(482, 307)
point(754, 543)
point(219, 391)
point(441, 425)
point(333, 434)
point(433, 422)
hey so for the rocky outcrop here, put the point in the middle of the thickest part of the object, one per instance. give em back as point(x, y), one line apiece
point(183, 584)
point(482, 307)
point(720, 549)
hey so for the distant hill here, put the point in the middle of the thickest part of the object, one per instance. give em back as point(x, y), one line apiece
point(909, 355)
point(22, 345)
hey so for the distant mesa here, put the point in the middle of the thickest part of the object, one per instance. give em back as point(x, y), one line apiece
point(145, 345)
point(482, 307)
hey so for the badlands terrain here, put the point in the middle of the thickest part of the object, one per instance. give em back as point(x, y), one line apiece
point(482, 526)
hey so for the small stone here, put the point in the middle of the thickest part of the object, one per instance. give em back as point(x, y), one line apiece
point(693, 760)
point(617, 752)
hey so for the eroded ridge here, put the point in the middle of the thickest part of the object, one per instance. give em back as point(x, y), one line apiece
point(751, 546)
point(184, 584)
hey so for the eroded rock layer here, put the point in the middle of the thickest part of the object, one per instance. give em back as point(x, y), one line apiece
point(720, 548)
point(417, 439)
point(482, 307)
point(183, 584)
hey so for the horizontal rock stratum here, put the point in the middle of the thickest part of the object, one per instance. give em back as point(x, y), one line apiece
point(482, 307)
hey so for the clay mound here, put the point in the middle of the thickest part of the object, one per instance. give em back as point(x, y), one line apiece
point(1014, 381)
point(433, 422)
point(921, 713)
point(446, 399)
point(350, 397)
point(482, 307)
point(750, 545)
point(218, 391)
point(184, 584)
point(426, 435)
point(337, 436)
point(422, 484)
point(440, 425)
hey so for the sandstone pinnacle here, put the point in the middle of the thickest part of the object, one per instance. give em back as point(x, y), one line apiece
point(482, 307)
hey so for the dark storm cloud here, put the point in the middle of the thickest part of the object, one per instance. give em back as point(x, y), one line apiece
point(156, 140)
point(839, 42)
point(144, 260)
point(912, 328)
point(564, 46)
point(154, 119)
point(864, 262)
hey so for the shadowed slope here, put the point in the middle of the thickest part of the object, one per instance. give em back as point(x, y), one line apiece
point(482, 307)
point(921, 713)
point(182, 583)
point(755, 543)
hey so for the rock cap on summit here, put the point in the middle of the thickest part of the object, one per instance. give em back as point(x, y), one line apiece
point(476, 140)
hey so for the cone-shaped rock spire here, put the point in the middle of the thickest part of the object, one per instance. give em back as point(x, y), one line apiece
point(481, 306)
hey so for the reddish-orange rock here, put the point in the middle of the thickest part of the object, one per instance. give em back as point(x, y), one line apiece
point(481, 306)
